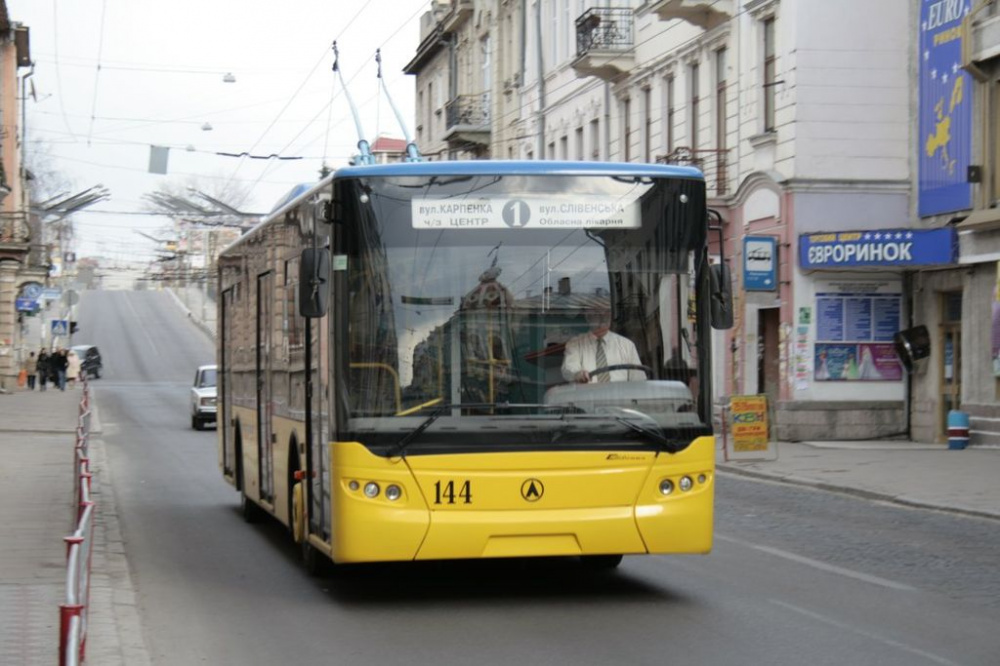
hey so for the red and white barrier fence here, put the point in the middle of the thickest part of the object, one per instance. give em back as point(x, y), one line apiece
point(79, 547)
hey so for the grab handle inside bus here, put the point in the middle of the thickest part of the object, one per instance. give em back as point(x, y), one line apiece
point(314, 278)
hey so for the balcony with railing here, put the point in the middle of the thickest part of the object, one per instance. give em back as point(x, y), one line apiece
point(605, 43)
point(705, 14)
point(713, 162)
point(467, 120)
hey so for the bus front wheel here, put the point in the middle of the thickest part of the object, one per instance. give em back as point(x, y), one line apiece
point(312, 560)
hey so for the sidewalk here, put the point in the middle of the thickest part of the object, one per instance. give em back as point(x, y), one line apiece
point(37, 436)
point(908, 473)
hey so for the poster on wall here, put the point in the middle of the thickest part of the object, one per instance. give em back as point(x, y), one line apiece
point(945, 110)
point(854, 333)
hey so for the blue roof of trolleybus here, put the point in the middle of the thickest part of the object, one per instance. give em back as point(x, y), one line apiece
point(517, 168)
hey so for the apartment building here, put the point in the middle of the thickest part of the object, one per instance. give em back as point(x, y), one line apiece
point(805, 117)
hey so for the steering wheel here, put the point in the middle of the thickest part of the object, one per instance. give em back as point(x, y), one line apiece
point(622, 366)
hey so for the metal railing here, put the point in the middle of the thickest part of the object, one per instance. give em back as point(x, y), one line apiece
point(79, 547)
point(712, 162)
point(604, 29)
point(471, 111)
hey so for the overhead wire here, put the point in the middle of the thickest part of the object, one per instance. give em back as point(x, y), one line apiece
point(59, 88)
point(297, 91)
point(97, 74)
point(395, 32)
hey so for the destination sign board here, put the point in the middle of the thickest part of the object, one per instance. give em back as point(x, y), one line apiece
point(525, 212)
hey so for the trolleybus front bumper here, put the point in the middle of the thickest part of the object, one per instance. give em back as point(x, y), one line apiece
point(521, 504)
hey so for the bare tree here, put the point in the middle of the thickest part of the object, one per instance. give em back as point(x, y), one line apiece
point(207, 200)
point(44, 180)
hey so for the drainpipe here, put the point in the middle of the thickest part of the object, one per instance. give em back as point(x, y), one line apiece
point(541, 83)
point(607, 121)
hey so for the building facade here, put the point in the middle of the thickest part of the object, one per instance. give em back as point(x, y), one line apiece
point(957, 185)
point(19, 272)
point(807, 119)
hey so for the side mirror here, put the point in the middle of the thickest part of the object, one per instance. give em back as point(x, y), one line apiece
point(314, 278)
point(721, 297)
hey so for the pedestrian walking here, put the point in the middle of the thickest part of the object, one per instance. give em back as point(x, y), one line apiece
point(31, 366)
point(43, 366)
point(72, 368)
point(60, 363)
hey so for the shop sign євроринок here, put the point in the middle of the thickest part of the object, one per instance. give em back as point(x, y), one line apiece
point(886, 247)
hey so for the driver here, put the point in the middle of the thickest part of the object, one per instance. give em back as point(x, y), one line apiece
point(597, 348)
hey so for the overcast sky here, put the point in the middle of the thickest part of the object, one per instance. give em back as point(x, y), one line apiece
point(161, 79)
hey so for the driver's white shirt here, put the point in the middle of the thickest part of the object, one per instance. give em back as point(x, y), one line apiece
point(581, 354)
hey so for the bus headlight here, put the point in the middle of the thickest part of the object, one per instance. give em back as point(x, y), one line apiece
point(393, 492)
point(371, 490)
point(666, 486)
point(685, 483)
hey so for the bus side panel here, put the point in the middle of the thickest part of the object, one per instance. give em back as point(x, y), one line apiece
point(680, 522)
point(374, 529)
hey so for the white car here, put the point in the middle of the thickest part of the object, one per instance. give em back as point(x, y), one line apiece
point(203, 396)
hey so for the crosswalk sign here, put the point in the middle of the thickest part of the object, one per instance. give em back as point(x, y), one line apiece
point(60, 327)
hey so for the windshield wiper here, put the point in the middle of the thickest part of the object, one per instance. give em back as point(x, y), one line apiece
point(439, 411)
point(669, 445)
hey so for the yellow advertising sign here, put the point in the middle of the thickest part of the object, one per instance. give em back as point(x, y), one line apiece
point(750, 428)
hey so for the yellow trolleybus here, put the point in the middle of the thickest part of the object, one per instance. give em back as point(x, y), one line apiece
point(476, 360)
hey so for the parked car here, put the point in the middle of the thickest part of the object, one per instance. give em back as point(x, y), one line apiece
point(203, 396)
point(90, 360)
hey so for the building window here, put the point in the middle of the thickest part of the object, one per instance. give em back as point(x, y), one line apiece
point(720, 99)
point(695, 110)
point(626, 129)
point(551, 153)
point(578, 139)
point(595, 139)
point(647, 119)
point(995, 195)
point(668, 115)
point(564, 147)
point(770, 70)
point(720, 120)
point(430, 111)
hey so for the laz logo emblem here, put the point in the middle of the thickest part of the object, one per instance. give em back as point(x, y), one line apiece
point(444, 493)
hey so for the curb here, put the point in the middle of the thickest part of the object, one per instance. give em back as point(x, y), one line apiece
point(190, 315)
point(854, 492)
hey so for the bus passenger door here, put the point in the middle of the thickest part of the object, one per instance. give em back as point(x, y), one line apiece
point(265, 441)
point(225, 380)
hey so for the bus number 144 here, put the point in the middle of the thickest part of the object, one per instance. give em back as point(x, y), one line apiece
point(445, 494)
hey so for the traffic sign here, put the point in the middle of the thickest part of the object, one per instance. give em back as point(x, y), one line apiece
point(60, 327)
point(25, 304)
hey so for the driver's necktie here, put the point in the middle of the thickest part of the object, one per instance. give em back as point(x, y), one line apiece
point(602, 361)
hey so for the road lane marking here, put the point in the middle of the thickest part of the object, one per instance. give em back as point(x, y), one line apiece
point(867, 634)
point(128, 302)
point(823, 566)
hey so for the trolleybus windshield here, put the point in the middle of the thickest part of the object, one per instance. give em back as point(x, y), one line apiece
point(521, 311)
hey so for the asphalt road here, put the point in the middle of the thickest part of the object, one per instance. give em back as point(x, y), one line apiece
point(797, 576)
